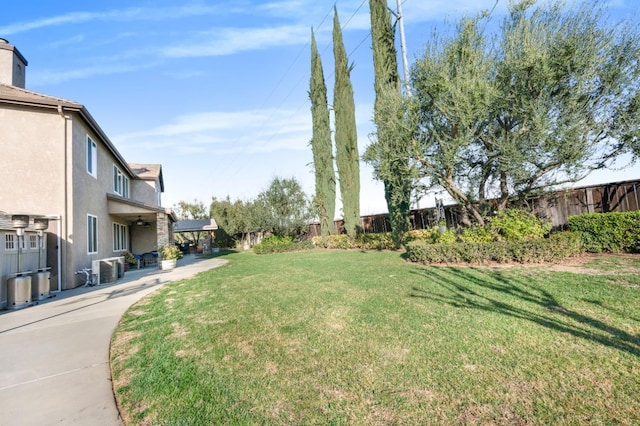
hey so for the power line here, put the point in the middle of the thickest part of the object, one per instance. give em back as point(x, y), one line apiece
point(353, 14)
point(368, 36)
point(302, 77)
point(277, 85)
point(308, 45)
point(344, 26)
point(295, 60)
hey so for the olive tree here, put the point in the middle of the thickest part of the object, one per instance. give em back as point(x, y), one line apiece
point(552, 96)
point(283, 208)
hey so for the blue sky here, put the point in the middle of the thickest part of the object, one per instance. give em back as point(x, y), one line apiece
point(216, 91)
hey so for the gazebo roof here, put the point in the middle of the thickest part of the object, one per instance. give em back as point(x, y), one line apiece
point(195, 225)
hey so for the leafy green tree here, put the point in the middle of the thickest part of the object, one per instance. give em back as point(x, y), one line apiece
point(346, 138)
point(229, 215)
point(283, 208)
point(325, 197)
point(551, 98)
point(389, 153)
point(191, 211)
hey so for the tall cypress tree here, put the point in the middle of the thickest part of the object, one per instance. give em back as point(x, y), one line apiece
point(325, 199)
point(346, 138)
point(389, 154)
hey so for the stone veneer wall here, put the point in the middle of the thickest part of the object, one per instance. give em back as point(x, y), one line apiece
point(164, 236)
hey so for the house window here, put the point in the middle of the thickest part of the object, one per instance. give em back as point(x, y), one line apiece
point(92, 234)
point(92, 158)
point(33, 242)
point(10, 242)
point(120, 182)
point(119, 237)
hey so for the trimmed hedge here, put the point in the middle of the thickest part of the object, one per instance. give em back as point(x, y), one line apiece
point(380, 241)
point(608, 232)
point(557, 247)
point(275, 244)
point(517, 225)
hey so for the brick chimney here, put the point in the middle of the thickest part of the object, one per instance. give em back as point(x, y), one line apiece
point(12, 65)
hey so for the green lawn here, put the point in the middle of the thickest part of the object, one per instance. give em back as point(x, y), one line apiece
point(361, 338)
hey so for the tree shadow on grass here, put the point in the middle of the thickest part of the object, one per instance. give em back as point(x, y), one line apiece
point(492, 292)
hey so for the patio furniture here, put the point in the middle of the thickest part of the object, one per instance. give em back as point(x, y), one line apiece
point(149, 259)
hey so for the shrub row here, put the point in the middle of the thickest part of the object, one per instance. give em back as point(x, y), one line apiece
point(608, 232)
point(379, 241)
point(557, 247)
point(508, 225)
point(510, 236)
point(382, 240)
point(276, 244)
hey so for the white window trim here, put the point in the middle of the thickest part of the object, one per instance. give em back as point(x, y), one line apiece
point(33, 242)
point(10, 243)
point(92, 158)
point(120, 182)
point(92, 234)
point(119, 237)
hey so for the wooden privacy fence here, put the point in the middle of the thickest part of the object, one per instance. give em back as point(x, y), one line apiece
point(555, 207)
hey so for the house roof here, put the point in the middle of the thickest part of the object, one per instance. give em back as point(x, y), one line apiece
point(18, 95)
point(22, 97)
point(195, 225)
point(148, 172)
point(128, 208)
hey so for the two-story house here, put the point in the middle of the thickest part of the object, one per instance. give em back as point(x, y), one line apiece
point(57, 162)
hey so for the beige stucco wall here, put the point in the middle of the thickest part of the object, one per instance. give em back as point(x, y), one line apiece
point(32, 171)
point(45, 152)
point(144, 191)
point(89, 195)
point(35, 184)
point(144, 240)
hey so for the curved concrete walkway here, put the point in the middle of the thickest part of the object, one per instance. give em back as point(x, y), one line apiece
point(54, 357)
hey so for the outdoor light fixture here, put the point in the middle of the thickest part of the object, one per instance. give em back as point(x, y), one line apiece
point(40, 223)
point(19, 222)
point(139, 222)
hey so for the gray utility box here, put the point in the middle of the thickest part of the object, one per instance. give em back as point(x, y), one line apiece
point(40, 285)
point(19, 290)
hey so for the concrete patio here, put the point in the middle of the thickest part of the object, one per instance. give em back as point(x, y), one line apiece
point(54, 357)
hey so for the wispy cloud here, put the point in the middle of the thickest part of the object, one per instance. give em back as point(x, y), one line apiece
point(249, 132)
point(40, 78)
point(69, 18)
point(283, 8)
point(252, 131)
point(439, 10)
point(227, 41)
point(130, 14)
point(67, 42)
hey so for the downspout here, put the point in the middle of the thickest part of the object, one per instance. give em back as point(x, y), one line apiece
point(59, 254)
point(57, 218)
point(66, 199)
